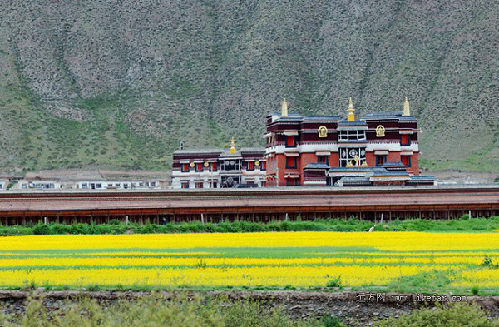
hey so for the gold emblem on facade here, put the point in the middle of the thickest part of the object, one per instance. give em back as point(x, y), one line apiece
point(323, 131)
point(206, 164)
point(192, 164)
point(257, 163)
point(357, 160)
point(380, 131)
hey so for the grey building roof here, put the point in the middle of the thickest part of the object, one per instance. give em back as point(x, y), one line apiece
point(193, 151)
point(354, 179)
point(388, 115)
point(352, 123)
point(383, 114)
point(322, 118)
point(252, 149)
point(390, 173)
point(316, 165)
point(291, 118)
point(423, 178)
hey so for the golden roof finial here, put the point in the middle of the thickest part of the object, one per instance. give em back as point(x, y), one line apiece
point(351, 116)
point(284, 108)
point(232, 145)
point(407, 111)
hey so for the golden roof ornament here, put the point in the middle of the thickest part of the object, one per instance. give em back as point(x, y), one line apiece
point(232, 145)
point(407, 111)
point(284, 108)
point(351, 116)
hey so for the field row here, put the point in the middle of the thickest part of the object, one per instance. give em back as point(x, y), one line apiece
point(397, 260)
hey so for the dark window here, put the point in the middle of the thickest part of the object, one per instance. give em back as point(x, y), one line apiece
point(199, 184)
point(323, 159)
point(292, 182)
point(406, 160)
point(199, 166)
point(184, 184)
point(291, 162)
point(290, 141)
point(380, 160)
point(405, 139)
point(185, 167)
point(251, 165)
point(263, 165)
point(230, 165)
point(213, 166)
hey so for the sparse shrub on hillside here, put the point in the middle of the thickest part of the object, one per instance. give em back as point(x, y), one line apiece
point(155, 311)
point(332, 321)
point(454, 315)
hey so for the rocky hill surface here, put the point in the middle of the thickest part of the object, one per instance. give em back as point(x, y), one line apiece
point(118, 83)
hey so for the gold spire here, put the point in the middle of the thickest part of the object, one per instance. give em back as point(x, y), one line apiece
point(407, 111)
point(232, 145)
point(351, 116)
point(284, 111)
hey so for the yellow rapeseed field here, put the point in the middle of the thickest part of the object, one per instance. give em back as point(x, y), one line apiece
point(255, 260)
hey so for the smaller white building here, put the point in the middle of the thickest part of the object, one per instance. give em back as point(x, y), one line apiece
point(117, 185)
point(216, 168)
point(3, 184)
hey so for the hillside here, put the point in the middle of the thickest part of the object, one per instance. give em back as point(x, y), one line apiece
point(117, 84)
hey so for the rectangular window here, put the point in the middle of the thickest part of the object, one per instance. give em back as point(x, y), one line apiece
point(83, 185)
point(352, 135)
point(251, 165)
point(153, 184)
point(323, 160)
point(406, 160)
point(291, 162)
point(184, 184)
point(380, 160)
point(263, 165)
point(290, 141)
point(185, 167)
point(213, 166)
point(98, 185)
point(199, 166)
point(405, 139)
point(199, 184)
